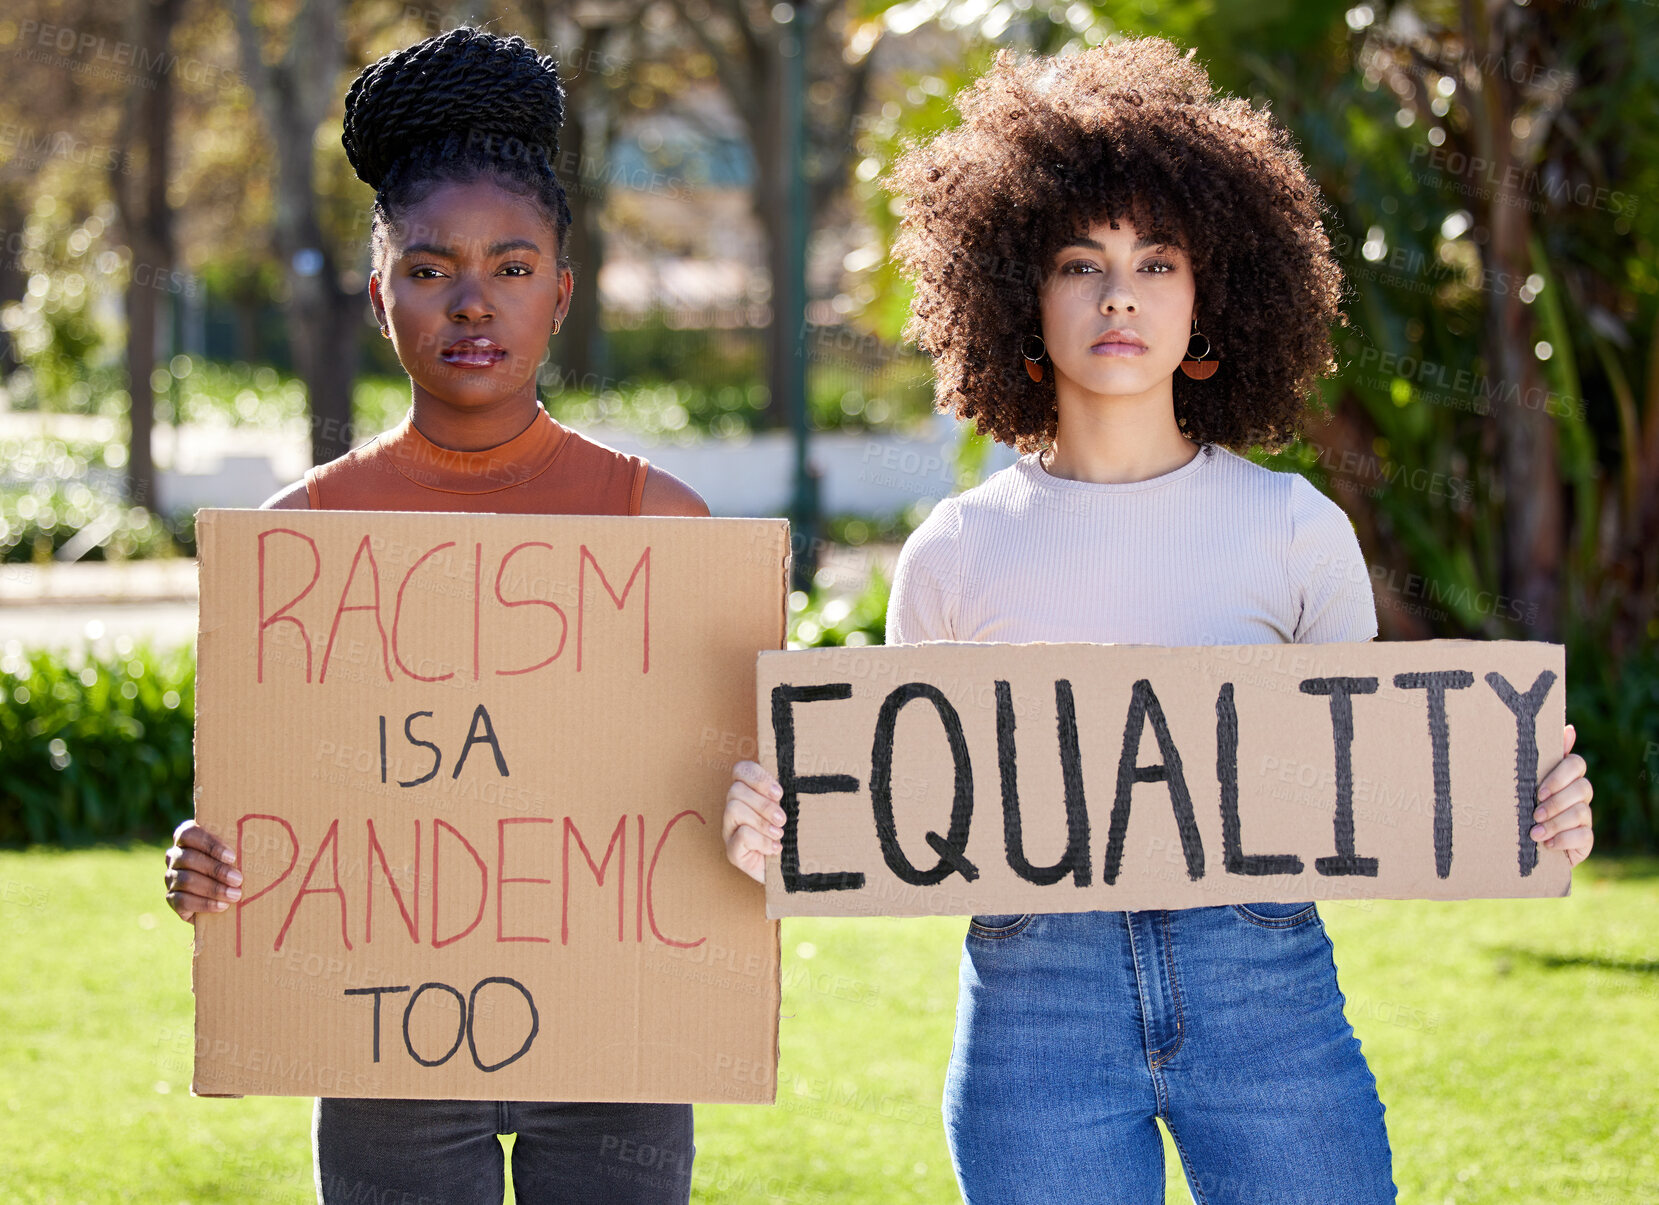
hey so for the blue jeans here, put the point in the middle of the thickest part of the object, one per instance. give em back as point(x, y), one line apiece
point(1074, 1031)
point(447, 1152)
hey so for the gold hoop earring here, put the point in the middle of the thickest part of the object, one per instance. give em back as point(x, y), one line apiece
point(1197, 367)
point(1034, 363)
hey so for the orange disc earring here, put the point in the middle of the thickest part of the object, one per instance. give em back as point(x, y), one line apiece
point(1197, 367)
point(1034, 363)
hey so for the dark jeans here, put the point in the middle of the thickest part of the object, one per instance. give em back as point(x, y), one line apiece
point(447, 1152)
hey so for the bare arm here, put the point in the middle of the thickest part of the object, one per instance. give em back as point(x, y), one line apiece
point(289, 497)
point(666, 494)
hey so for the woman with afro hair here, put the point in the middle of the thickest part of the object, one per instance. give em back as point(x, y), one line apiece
point(1124, 275)
point(457, 135)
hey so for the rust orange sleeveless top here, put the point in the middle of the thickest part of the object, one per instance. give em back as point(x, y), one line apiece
point(546, 469)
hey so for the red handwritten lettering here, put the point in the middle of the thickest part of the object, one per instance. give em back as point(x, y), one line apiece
point(331, 843)
point(363, 550)
point(619, 834)
point(397, 615)
point(483, 884)
point(502, 878)
point(281, 615)
point(293, 858)
point(411, 922)
point(650, 908)
point(564, 622)
point(587, 558)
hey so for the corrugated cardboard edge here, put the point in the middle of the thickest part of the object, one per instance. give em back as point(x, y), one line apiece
point(1567, 889)
point(206, 537)
point(786, 569)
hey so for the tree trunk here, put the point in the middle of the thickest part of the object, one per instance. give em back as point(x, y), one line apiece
point(147, 224)
point(324, 320)
point(771, 201)
point(1527, 445)
point(580, 348)
point(13, 279)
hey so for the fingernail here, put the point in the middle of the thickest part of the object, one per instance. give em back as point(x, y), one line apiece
point(776, 831)
point(1537, 831)
point(233, 893)
point(777, 817)
point(218, 905)
point(234, 876)
point(1537, 813)
point(775, 791)
point(230, 856)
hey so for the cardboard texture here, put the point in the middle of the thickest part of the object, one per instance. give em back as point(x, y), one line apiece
point(474, 766)
point(947, 779)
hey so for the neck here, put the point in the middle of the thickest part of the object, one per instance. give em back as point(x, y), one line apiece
point(1118, 439)
point(473, 428)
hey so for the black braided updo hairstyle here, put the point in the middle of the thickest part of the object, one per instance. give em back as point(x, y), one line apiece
point(459, 106)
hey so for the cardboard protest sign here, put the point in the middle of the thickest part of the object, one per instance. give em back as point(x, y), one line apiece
point(474, 768)
point(999, 778)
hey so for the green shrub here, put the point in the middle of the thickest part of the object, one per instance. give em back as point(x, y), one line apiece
point(667, 411)
point(819, 620)
point(52, 488)
point(35, 523)
point(95, 746)
point(1613, 702)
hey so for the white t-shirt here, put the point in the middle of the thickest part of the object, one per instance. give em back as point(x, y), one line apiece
point(1219, 551)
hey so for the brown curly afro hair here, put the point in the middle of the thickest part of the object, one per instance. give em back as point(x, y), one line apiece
point(1129, 128)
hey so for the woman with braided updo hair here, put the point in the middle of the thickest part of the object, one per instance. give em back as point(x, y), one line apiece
point(457, 136)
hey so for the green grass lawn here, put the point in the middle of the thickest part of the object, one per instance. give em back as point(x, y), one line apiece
point(1516, 1044)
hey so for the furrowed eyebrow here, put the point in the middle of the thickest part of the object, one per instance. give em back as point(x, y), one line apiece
point(1140, 244)
point(516, 244)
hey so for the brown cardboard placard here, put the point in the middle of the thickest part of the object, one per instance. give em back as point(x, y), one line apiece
point(474, 766)
point(951, 779)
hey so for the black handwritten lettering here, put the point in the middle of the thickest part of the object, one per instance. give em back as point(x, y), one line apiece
point(951, 847)
point(376, 992)
point(795, 785)
point(1143, 706)
point(1341, 692)
point(437, 756)
point(488, 738)
point(1226, 773)
point(1525, 709)
point(1076, 858)
point(460, 1025)
point(1437, 684)
point(472, 1016)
